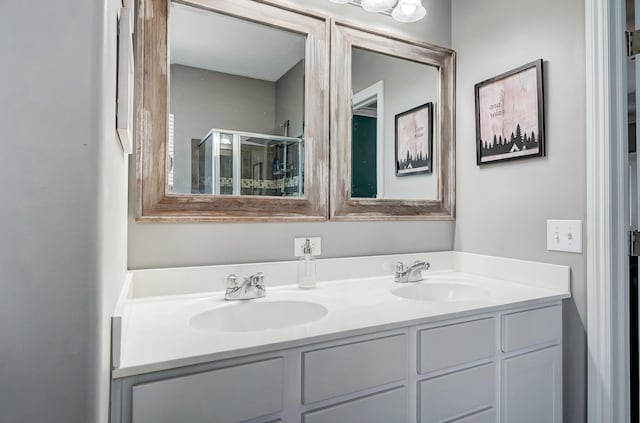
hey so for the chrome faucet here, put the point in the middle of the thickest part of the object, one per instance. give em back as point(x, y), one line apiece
point(411, 274)
point(252, 287)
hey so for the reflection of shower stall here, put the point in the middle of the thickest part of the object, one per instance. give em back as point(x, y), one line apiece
point(245, 163)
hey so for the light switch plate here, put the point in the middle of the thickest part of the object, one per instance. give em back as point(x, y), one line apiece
point(316, 246)
point(564, 235)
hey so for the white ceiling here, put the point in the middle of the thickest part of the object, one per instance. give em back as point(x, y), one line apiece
point(209, 40)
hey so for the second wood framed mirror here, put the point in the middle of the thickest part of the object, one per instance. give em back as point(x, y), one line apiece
point(392, 127)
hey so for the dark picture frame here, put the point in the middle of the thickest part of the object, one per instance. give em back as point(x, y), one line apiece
point(414, 141)
point(510, 115)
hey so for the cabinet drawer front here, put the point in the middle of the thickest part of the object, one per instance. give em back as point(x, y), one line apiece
point(455, 394)
point(452, 345)
point(532, 327)
point(344, 369)
point(385, 407)
point(226, 395)
point(486, 416)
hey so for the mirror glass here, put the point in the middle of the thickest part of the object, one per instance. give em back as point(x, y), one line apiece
point(393, 127)
point(236, 108)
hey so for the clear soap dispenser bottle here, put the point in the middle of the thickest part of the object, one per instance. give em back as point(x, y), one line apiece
point(307, 268)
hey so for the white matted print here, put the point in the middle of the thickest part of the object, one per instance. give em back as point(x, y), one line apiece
point(126, 74)
point(414, 141)
point(510, 115)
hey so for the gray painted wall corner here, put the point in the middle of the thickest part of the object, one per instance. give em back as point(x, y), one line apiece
point(59, 269)
point(112, 206)
point(502, 208)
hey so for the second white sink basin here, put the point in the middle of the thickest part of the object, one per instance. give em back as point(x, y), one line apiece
point(258, 315)
point(441, 291)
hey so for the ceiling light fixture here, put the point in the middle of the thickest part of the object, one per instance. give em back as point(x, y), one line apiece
point(404, 10)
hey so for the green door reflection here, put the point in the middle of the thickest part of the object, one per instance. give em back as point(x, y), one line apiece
point(363, 157)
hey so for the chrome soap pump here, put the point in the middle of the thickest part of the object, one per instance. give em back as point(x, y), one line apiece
point(307, 268)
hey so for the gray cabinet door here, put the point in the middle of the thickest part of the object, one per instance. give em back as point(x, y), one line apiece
point(385, 407)
point(532, 387)
point(228, 395)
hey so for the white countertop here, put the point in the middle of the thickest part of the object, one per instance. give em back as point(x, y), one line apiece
point(152, 330)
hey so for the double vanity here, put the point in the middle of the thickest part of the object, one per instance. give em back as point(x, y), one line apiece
point(263, 111)
point(478, 340)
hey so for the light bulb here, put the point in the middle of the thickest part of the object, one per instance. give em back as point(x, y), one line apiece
point(408, 8)
point(409, 11)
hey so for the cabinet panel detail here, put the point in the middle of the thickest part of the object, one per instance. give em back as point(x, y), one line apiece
point(485, 416)
point(454, 394)
point(532, 327)
point(453, 345)
point(532, 387)
point(385, 407)
point(344, 369)
point(231, 394)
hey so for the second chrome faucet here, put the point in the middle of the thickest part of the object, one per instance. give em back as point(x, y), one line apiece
point(412, 273)
point(252, 287)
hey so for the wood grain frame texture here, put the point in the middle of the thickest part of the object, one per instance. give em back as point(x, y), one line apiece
point(153, 202)
point(344, 36)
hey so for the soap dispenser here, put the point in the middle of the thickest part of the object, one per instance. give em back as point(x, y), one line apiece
point(307, 268)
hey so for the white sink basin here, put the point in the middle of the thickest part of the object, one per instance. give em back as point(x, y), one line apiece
point(258, 315)
point(445, 290)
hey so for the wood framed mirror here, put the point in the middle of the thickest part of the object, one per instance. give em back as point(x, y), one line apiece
point(392, 127)
point(231, 111)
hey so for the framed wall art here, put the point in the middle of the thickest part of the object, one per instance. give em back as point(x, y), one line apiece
point(414, 141)
point(510, 115)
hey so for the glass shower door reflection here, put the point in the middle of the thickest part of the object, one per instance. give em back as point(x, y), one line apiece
point(215, 167)
point(240, 163)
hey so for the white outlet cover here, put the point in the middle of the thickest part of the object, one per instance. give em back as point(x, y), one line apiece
point(564, 235)
point(316, 246)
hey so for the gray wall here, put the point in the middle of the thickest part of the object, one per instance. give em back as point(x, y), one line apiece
point(63, 230)
point(154, 245)
point(502, 208)
point(406, 85)
point(203, 99)
point(290, 100)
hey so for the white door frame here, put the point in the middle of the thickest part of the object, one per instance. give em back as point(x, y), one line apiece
point(607, 213)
